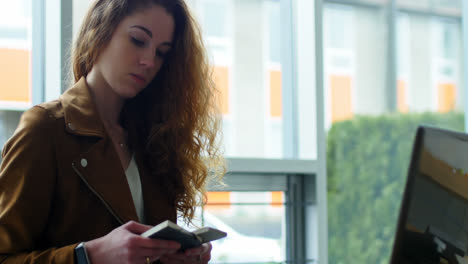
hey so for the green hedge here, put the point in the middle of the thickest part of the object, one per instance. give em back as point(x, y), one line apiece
point(367, 162)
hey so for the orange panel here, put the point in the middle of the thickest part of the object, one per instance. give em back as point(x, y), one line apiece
point(446, 97)
point(221, 79)
point(402, 103)
point(15, 75)
point(276, 105)
point(340, 97)
point(218, 200)
point(277, 199)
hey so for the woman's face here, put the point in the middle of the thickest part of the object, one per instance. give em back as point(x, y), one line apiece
point(136, 51)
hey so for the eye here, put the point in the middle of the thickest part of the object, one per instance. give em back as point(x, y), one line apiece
point(137, 42)
point(161, 54)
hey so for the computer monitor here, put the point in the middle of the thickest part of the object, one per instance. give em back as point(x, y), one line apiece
point(433, 221)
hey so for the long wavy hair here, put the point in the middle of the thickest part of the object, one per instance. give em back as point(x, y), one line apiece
point(174, 121)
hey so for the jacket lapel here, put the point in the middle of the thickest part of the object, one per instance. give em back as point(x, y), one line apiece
point(109, 183)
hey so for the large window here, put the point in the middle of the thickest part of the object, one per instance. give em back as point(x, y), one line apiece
point(16, 55)
point(266, 124)
point(245, 41)
point(389, 66)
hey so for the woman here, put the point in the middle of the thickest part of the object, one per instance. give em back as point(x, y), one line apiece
point(130, 145)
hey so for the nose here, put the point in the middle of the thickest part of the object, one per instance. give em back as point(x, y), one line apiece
point(148, 59)
point(147, 62)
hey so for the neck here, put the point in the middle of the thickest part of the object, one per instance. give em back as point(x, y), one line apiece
point(108, 103)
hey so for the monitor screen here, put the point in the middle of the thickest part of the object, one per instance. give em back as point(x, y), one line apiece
point(435, 224)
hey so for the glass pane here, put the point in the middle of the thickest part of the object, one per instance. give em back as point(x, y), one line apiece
point(214, 11)
point(371, 123)
point(255, 223)
point(243, 39)
point(79, 11)
point(354, 62)
point(15, 54)
point(431, 47)
point(246, 42)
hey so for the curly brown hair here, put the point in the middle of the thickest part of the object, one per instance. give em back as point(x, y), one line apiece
point(174, 122)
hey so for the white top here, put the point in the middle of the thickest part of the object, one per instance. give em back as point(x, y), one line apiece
point(133, 178)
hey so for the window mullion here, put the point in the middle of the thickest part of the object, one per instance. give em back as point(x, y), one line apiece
point(295, 224)
point(37, 52)
point(288, 69)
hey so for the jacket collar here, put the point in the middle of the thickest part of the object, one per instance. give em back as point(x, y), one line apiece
point(80, 113)
point(82, 118)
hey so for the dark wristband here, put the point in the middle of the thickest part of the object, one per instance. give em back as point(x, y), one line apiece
point(81, 255)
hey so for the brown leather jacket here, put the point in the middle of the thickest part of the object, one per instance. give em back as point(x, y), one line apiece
point(61, 182)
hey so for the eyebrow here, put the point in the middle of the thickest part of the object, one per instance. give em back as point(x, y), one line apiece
point(147, 31)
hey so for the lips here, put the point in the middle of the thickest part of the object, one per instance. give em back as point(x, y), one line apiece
point(138, 78)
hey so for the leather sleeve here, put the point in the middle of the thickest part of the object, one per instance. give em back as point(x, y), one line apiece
point(27, 182)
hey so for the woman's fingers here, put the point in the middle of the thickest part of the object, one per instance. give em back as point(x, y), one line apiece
point(197, 255)
point(206, 257)
point(202, 250)
point(125, 245)
point(154, 254)
point(180, 258)
point(136, 227)
point(144, 242)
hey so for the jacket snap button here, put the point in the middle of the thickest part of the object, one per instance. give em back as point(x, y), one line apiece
point(71, 126)
point(84, 163)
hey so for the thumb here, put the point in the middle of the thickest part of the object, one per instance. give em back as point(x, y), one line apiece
point(135, 227)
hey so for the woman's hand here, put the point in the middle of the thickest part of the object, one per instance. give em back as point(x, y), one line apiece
point(125, 245)
point(194, 255)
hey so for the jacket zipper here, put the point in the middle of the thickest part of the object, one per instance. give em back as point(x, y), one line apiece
point(99, 196)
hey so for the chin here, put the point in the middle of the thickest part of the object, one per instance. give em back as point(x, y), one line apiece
point(130, 92)
point(129, 95)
